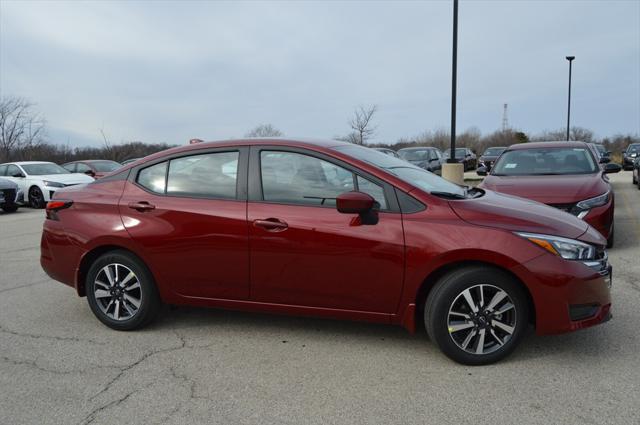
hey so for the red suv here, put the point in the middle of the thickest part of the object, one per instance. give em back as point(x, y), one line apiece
point(564, 175)
point(329, 229)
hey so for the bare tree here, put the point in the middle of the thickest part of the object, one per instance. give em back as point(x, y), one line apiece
point(361, 124)
point(264, 130)
point(20, 126)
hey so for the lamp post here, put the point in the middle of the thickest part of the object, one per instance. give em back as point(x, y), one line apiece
point(452, 170)
point(570, 59)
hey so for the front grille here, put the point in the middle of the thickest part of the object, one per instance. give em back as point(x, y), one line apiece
point(9, 195)
point(564, 207)
point(600, 263)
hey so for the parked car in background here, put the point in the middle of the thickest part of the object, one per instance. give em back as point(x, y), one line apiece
point(38, 180)
point(488, 158)
point(636, 172)
point(602, 151)
point(95, 168)
point(10, 195)
point(464, 156)
point(388, 151)
point(630, 155)
point(564, 175)
point(255, 225)
point(129, 161)
point(428, 158)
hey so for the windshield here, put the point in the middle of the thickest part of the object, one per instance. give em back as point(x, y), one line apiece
point(633, 149)
point(105, 166)
point(545, 161)
point(418, 177)
point(601, 149)
point(43, 169)
point(494, 151)
point(415, 154)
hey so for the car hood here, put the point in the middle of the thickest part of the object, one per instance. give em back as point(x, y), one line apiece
point(549, 189)
point(73, 178)
point(517, 214)
point(7, 184)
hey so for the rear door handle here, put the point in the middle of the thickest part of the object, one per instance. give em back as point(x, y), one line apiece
point(271, 224)
point(142, 206)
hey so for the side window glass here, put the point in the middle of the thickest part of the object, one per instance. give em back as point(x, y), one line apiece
point(210, 175)
point(376, 191)
point(13, 170)
point(154, 178)
point(70, 167)
point(295, 178)
point(82, 168)
point(3, 170)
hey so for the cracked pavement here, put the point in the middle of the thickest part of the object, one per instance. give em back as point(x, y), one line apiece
point(60, 365)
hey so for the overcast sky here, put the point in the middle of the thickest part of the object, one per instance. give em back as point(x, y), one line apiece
point(168, 72)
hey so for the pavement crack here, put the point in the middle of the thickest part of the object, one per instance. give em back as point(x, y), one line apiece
point(130, 366)
point(95, 412)
point(49, 337)
point(23, 286)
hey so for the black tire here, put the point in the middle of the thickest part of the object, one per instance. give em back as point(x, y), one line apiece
point(9, 208)
point(611, 239)
point(447, 292)
point(36, 198)
point(149, 299)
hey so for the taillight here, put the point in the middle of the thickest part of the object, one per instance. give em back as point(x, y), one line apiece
point(56, 205)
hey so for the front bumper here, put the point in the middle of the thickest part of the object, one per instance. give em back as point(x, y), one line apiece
point(560, 289)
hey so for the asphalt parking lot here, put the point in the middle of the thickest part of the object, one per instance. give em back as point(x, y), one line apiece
point(59, 365)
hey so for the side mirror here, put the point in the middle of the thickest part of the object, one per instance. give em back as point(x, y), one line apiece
point(481, 171)
point(612, 168)
point(18, 175)
point(354, 203)
point(605, 160)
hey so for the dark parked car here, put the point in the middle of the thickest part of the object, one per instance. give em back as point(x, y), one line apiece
point(636, 172)
point(328, 229)
point(388, 151)
point(95, 168)
point(10, 196)
point(489, 156)
point(565, 175)
point(430, 159)
point(630, 155)
point(464, 156)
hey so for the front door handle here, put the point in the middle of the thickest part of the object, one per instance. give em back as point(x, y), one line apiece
point(142, 206)
point(271, 224)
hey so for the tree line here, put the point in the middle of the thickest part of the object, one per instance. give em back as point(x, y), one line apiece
point(23, 137)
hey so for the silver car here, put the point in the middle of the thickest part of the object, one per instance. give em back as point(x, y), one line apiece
point(10, 195)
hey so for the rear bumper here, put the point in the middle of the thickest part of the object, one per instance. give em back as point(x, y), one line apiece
point(559, 288)
point(59, 258)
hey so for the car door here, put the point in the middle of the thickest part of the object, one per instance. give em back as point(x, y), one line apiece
point(303, 251)
point(188, 214)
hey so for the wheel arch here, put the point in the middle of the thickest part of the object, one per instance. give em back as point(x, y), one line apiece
point(432, 278)
point(90, 256)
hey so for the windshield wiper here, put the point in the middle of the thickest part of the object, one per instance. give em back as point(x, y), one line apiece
point(448, 195)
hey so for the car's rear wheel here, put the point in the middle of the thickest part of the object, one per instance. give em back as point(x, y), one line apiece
point(476, 315)
point(36, 198)
point(121, 291)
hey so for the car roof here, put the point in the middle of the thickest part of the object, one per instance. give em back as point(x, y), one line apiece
point(274, 141)
point(90, 160)
point(29, 162)
point(554, 144)
point(415, 148)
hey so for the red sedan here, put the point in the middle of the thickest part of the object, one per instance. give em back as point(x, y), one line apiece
point(564, 175)
point(328, 229)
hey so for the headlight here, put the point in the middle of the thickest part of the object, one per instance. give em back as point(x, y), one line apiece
point(598, 201)
point(569, 249)
point(52, 184)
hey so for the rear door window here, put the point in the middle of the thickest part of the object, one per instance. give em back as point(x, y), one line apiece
point(154, 178)
point(212, 175)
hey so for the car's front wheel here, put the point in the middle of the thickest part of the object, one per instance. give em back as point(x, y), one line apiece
point(9, 208)
point(36, 198)
point(121, 291)
point(476, 315)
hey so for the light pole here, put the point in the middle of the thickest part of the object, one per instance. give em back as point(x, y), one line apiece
point(452, 170)
point(570, 59)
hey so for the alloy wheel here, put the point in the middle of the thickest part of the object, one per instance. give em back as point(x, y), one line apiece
point(481, 319)
point(117, 292)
